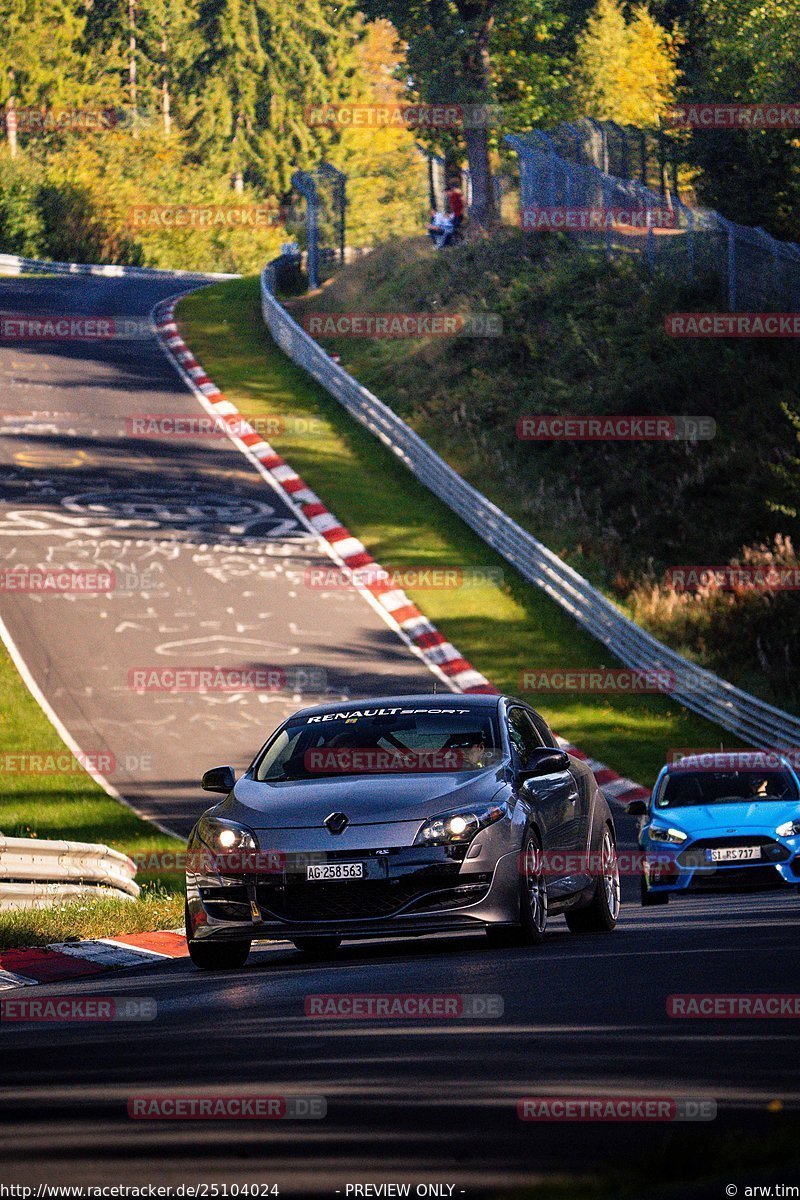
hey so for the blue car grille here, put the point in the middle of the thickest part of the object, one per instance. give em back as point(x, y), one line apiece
point(694, 854)
point(729, 878)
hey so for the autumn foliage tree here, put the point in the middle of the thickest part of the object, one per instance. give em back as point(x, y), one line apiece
point(626, 68)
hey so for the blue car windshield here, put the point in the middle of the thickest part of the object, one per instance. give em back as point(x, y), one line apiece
point(381, 742)
point(687, 788)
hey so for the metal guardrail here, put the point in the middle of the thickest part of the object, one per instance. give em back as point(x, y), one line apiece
point(37, 873)
point(15, 264)
point(753, 720)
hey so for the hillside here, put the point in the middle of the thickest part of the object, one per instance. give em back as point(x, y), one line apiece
point(582, 336)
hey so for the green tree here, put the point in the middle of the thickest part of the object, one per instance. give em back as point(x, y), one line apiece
point(262, 67)
point(533, 48)
point(139, 53)
point(747, 51)
point(39, 66)
point(448, 57)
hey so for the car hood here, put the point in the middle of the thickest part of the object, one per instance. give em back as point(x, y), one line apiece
point(760, 816)
point(365, 800)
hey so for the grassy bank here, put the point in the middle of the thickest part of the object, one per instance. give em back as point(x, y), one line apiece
point(583, 336)
point(70, 805)
point(503, 628)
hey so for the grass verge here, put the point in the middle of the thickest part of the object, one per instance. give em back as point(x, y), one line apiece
point(90, 918)
point(503, 628)
point(71, 805)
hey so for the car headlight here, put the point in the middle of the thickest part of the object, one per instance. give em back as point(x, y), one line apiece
point(788, 829)
point(460, 825)
point(225, 837)
point(659, 833)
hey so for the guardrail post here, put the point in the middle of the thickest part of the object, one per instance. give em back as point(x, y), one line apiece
point(606, 194)
point(731, 259)
point(689, 240)
point(651, 237)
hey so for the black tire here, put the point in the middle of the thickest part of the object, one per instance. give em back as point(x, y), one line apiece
point(219, 956)
point(600, 915)
point(651, 899)
point(533, 890)
point(317, 946)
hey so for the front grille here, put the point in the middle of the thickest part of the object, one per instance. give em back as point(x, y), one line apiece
point(694, 855)
point(362, 899)
point(757, 876)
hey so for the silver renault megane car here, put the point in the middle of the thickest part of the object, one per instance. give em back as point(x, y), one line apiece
point(400, 816)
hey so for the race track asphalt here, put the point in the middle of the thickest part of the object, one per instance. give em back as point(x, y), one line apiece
point(210, 565)
point(415, 1100)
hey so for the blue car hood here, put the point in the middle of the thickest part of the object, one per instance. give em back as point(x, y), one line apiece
point(760, 816)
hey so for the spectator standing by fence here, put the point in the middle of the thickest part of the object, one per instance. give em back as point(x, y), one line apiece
point(455, 205)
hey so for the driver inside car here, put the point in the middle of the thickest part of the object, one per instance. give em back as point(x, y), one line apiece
point(472, 749)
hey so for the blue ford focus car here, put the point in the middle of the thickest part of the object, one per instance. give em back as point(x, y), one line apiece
point(720, 822)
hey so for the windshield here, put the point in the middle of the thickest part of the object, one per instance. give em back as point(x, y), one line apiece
point(686, 788)
point(382, 742)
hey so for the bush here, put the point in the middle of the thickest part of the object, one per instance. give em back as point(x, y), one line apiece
point(74, 203)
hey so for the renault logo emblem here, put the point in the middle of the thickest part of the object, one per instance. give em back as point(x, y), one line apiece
point(336, 823)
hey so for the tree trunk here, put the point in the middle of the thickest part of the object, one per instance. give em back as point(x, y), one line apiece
point(11, 127)
point(483, 210)
point(165, 96)
point(132, 62)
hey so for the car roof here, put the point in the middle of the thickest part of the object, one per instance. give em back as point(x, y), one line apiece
point(473, 702)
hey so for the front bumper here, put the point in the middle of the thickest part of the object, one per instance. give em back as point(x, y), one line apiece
point(404, 891)
point(688, 867)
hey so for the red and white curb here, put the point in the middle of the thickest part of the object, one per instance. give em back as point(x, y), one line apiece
point(75, 960)
point(346, 550)
point(395, 606)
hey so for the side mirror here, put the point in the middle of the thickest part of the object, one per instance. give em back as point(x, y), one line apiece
point(544, 761)
point(219, 779)
point(638, 808)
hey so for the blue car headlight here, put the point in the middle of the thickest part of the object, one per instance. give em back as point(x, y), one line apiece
point(788, 829)
point(663, 833)
point(460, 825)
